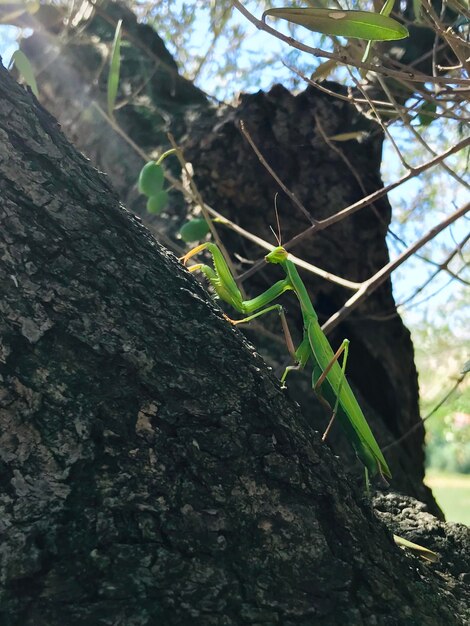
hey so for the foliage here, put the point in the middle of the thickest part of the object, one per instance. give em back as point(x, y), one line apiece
point(114, 67)
point(23, 65)
point(448, 436)
point(194, 230)
point(438, 357)
point(366, 25)
point(452, 492)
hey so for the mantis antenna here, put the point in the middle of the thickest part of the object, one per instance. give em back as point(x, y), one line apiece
point(277, 236)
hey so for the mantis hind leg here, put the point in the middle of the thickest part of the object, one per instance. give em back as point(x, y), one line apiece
point(344, 347)
point(287, 336)
point(290, 368)
point(316, 375)
point(342, 350)
point(285, 328)
point(300, 357)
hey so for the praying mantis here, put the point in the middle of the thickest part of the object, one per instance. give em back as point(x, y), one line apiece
point(328, 380)
point(327, 373)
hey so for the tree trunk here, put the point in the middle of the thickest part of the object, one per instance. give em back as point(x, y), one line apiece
point(152, 471)
point(290, 132)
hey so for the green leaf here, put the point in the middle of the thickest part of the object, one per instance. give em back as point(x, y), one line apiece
point(387, 7)
point(419, 550)
point(355, 24)
point(385, 10)
point(114, 69)
point(357, 134)
point(15, 10)
point(25, 69)
point(151, 179)
point(194, 230)
point(156, 203)
point(425, 113)
point(417, 10)
point(324, 69)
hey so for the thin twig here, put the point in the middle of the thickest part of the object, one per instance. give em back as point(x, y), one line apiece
point(379, 120)
point(342, 58)
point(431, 295)
point(266, 165)
point(353, 170)
point(418, 137)
point(343, 282)
point(360, 204)
point(441, 267)
point(419, 424)
point(197, 197)
point(451, 38)
point(381, 103)
point(381, 276)
point(115, 126)
point(217, 31)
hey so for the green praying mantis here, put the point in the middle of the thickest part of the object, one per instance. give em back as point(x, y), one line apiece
point(328, 380)
point(327, 373)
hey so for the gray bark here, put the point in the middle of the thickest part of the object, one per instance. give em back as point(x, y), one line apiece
point(152, 471)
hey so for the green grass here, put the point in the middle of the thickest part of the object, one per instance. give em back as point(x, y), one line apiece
point(452, 492)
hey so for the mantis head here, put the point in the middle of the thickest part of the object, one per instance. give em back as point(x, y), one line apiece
point(277, 255)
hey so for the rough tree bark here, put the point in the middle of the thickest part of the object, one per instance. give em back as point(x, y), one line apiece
point(152, 471)
point(286, 128)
